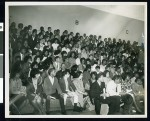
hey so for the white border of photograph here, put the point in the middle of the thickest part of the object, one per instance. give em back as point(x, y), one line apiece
point(1, 90)
point(7, 4)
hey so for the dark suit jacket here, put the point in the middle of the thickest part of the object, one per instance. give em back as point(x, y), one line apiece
point(32, 43)
point(96, 90)
point(63, 85)
point(49, 89)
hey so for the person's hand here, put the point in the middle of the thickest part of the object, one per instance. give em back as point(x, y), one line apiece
point(62, 94)
point(85, 93)
point(51, 97)
point(104, 95)
point(36, 97)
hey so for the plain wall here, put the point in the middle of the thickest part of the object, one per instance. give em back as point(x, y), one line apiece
point(91, 21)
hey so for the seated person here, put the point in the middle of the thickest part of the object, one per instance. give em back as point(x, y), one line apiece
point(115, 95)
point(96, 92)
point(34, 91)
point(138, 91)
point(16, 84)
point(80, 91)
point(57, 63)
point(67, 86)
point(82, 66)
point(52, 90)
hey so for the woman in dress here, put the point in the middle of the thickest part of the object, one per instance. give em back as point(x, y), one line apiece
point(34, 91)
point(80, 91)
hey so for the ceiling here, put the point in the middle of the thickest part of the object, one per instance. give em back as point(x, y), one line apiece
point(131, 11)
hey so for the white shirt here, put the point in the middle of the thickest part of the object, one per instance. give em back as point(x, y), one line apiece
point(78, 61)
point(35, 84)
point(102, 68)
point(51, 79)
point(66, 82)
point(55, 45)
point(112, 88)
point(93, 67)
point(22, 56)
point(66, 49)
point(133, 80)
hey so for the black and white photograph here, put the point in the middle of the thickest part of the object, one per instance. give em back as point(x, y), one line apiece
point(75, 59)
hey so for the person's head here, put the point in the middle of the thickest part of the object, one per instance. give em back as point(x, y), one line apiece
point(34, 32)
point(118, 69)
point(38, 53)
point(97, 68)
point(107, 73)
point(104, 62)
point(64, 53)
point(55, 40)
point(139, 81)
point(52, 72)
point(82, 60)
point(91, 57)
point(63, 67)
point(88, 61)
point(35, 73)
point(136, 75)
point(72, 55)
point(25, 43)
point(28, 59)
point(46, 52)
point(29, 27)
point(49, 43)
point(79, 75)
point(116, 79)
point(49, 29)
point(127, 76)
point(100, 77)
point(66, 74)
point(41, 28)
point(57, 59)
point(20, 25)
point(74, 68)
point(17, 74)
point(37, 59)
point(17, 58)
point(94, 75)
point(23, 50)
point(34, 65)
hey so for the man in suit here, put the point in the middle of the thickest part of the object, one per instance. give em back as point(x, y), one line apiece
point(68, 89)
point(33, 39)
point(49, 33)
point(96, 93)
point(52, 90)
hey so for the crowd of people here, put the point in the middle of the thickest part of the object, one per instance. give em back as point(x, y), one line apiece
point(92, 70)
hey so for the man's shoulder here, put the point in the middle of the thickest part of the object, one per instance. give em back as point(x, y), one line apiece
point(46, 78)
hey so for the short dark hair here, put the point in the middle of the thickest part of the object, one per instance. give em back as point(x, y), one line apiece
point(94, 73)
point(97, 67)
point(35, 58)
point(33, 64)
point(115, 77)
point(34, 72)
point(56, 57)
point(65, 72)
point(50, 70)
point(77, 74)
point(82, 59)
